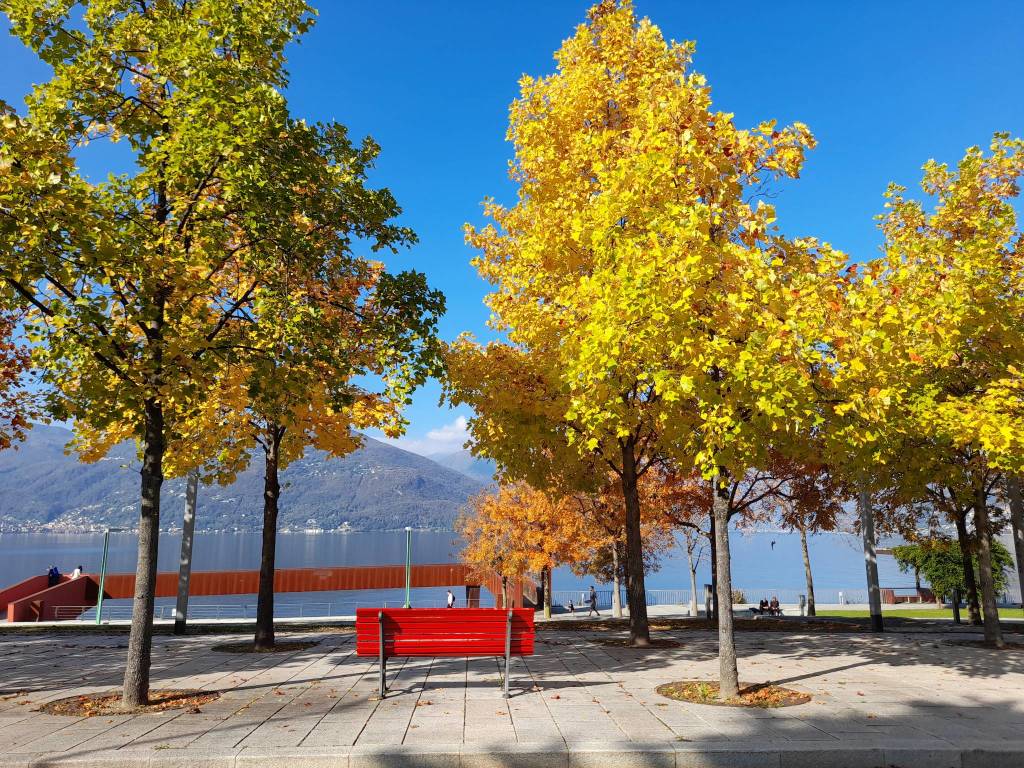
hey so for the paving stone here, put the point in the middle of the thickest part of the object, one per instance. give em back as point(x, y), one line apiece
point(551, 756)
point(405, 757)
point(825, 754)
point(291, 757)
point(621, 755)
point(885, 696)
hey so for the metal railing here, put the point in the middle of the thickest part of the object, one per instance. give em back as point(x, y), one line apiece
point(578, 598)
point(562, 598)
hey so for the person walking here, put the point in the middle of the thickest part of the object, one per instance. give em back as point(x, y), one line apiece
point(592, 602)
point(451, 599)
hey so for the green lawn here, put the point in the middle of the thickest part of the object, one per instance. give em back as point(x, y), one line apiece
point(919, 613)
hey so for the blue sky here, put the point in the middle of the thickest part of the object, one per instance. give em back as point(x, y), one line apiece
point(884, 86)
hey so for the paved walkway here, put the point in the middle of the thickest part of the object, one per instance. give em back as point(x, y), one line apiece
point(901, 699)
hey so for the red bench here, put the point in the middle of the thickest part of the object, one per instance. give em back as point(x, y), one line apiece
point(446, 632)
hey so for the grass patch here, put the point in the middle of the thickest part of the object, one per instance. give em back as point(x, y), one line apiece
point(917, 613)
point(741, 625)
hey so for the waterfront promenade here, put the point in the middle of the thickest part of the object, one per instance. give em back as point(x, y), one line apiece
point(912, 697)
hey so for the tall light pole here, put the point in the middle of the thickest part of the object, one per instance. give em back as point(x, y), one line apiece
point(408, 565)
point(103, 571)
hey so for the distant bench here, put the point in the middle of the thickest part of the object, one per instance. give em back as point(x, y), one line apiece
point(767, 614)
point(443, 632)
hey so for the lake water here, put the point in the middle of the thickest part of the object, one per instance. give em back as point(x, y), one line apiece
point(759, 568)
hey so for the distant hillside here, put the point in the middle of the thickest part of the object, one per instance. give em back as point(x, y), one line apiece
point(378, 487)
point(466, 463)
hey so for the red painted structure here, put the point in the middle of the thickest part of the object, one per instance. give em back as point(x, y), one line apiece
point(29, 586)
point(42, 605)
point(31, 600)
point(449, 632)
point(429, 632)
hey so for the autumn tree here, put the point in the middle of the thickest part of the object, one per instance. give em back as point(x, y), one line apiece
point(810, 501)
point(137, 283)
point(331, 342)
point(751, 498)
point(938, 330)
point(603, 552)
point(933, 489)
point(518, 529)
point(653, 308)
point(17, 404)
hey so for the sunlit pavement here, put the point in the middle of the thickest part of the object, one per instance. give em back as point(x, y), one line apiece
point(902, 698)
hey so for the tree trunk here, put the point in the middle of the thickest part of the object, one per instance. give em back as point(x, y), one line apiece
point(271, 496)
point(636, 594)
point(140, 639)
point(990, 612)
point(693, 579)
point(545, 579)
point(188, 527)
point(967, 563)
point(1017, 528)
point(867, 531)
point(714, 568)
point(807, 572)
point(728, 676)
point(616, 597)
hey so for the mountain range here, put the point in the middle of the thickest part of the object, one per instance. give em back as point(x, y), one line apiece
point(378, 487)
point(466, 463)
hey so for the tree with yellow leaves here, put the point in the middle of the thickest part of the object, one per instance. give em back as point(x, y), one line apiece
point(650, 308)
point(322, 330)
point(143, 290)
point(930, 353)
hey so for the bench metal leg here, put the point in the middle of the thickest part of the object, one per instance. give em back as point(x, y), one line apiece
point(382, 659)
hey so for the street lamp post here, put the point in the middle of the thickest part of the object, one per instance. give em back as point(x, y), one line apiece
point(103, 571)
point(408, 566)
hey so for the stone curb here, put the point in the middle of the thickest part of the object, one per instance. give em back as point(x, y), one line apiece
point(590, 755)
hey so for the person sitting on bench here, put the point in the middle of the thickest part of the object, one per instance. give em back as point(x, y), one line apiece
point(773, 607)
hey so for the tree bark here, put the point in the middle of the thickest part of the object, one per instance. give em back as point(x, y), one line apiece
point(264, 638)
point(693, 579)
point(616, 597)
point(990, 612)
point(1013, 492)
point(867, 530)
point(636, 594)
point(140, 638)
point(807, 572)
point(967, 561)
point(728, 676)
point(713, 538)
point(504, 591)
point(545, 578)
point(188, 527)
